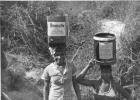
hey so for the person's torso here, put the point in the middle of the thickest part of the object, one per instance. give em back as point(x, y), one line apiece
point(61, 82)
point(110, 91)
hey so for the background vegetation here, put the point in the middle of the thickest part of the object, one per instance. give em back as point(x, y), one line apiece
point(24, 41)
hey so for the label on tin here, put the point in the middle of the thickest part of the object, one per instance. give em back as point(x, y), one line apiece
point(105, 50)
point(56, 29)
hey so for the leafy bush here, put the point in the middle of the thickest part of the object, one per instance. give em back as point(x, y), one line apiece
point(24, 29)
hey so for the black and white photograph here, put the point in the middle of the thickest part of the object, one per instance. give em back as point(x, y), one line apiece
point(70, 49)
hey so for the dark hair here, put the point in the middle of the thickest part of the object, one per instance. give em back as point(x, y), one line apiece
point(56, 45)
point(105, 67)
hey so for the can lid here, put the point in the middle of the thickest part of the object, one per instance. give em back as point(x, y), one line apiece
point(56, 18)
point(104, 37)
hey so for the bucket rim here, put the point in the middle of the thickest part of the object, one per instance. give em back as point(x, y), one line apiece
point(104, 36)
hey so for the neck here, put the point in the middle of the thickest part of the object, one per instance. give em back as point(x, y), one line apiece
point(58, 64)
point(106, 81)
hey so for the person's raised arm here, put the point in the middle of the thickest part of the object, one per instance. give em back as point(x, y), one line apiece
point(80, 78)
point(46, 90)
point(84, 71)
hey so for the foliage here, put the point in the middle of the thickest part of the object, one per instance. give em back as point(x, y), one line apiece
point(23, 26)
point(27, 27)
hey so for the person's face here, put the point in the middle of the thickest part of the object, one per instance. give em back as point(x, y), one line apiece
point(59, 58)
point(106, 74)
point(59, 55)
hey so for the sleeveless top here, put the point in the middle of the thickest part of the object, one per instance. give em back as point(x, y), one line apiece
point(110, 92)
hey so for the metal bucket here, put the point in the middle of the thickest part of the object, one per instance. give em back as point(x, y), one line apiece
point(105, 48)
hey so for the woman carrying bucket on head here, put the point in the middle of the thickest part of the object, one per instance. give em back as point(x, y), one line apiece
point(106, 88)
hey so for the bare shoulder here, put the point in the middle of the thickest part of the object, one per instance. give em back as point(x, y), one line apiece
point(118, 87)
